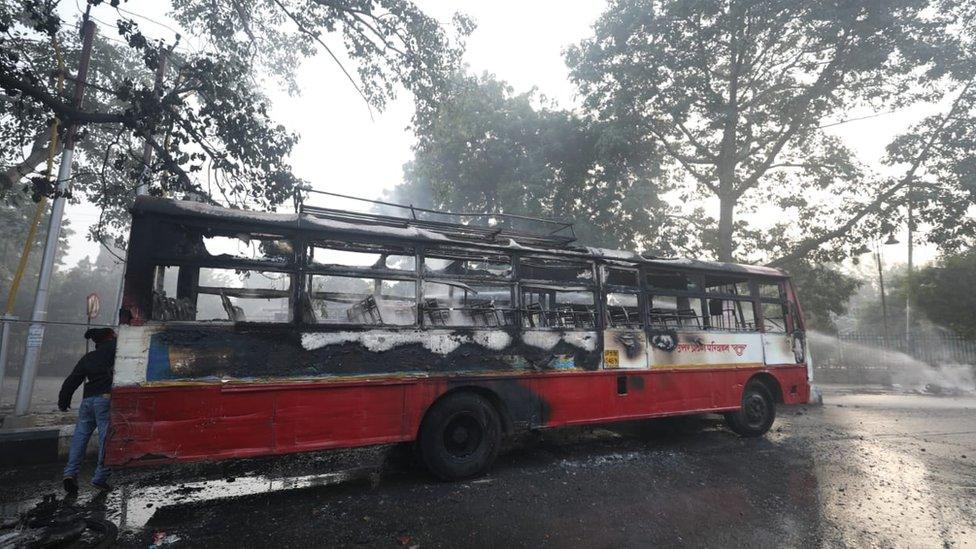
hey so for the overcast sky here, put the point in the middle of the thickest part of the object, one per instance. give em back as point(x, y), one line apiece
point(343, 150)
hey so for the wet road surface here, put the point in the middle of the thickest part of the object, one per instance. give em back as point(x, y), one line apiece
point(863, 470)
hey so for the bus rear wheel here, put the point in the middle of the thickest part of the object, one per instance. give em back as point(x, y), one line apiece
point(460, 436)
point(757, 413)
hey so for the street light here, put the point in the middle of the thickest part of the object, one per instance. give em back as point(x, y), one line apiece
point(884, 302)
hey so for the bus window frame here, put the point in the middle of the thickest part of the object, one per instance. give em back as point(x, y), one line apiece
point(591, 285)
point(300, 267)
point(226, 264)
point(309, 264)
point(307, 268)
point(437, 252)
point(649, 293)
point(783, 301)
point(605, 289)
point(752, 298)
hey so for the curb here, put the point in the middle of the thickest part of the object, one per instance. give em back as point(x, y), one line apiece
point(38, 445)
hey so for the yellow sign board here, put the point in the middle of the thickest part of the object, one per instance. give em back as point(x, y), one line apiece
point(611, 358)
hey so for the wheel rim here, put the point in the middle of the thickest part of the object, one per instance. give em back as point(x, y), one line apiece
point(463, 434)
point(755, 409)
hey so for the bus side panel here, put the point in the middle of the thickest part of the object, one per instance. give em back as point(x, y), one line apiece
point(569, 399)
point(618, 395)
point(793, 382)
point(153, 424)
point(321, 416)
point(572, 399)
point(215, 421)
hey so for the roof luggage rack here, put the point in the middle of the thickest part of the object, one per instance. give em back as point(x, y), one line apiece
point(490, 227)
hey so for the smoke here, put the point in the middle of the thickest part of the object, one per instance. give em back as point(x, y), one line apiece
point(874, 363)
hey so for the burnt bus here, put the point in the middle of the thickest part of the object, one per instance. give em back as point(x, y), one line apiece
point(250, 333)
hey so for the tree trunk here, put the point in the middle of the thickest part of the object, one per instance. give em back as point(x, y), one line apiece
point(726, 213)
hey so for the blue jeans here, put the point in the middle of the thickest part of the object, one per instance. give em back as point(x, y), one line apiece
point(92, 413)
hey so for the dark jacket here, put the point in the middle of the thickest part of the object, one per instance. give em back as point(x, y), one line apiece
point(95, 367)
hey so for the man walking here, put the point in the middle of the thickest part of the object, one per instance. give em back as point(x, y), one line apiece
point(95, 370)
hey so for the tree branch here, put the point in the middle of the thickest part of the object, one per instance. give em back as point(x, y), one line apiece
point(685, 163)
point(64, 111)
point(796, 122)
point(812, 244)
point(39, 151)
point(315, 36)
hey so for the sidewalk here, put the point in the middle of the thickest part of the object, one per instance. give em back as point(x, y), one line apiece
point(42, 436)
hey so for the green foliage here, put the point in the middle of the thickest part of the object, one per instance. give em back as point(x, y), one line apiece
point(824, 292)
point(15, 220)
point(943, 194)
point(945, 292)
point(737, 94)
point(208, 125)
point(487, 149)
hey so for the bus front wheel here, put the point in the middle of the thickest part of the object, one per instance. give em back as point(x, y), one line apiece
point(757, 413)
point(460, 436)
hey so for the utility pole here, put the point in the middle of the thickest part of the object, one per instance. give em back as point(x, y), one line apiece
point(884, 313)
point(8, 318)
point(908, 290)
point(35, 335)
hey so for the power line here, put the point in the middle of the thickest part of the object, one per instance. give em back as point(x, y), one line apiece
point(855, 119)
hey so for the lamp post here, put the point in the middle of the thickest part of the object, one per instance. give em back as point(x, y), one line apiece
point(884, 303)
point(908, 289)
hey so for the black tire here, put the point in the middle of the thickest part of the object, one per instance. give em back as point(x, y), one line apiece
point(757, 413)
point(460, 436)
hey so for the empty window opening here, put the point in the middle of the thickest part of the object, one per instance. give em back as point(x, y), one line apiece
point(727, 285)
point(464, 263)
point(622, 310)
point(546, 308)
point(621, 277)
point(243, 295)
point(770, 290)
point(354, 300)
point(668, 311)
point(555, 270)
point(460, 304)
point(731, 314)
point(249, 246)
point(671, 281)
point(336, 255)
point(167, 304)
point(774, 317)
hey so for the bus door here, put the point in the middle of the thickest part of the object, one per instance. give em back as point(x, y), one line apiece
point(782, 340)
point(625, 343)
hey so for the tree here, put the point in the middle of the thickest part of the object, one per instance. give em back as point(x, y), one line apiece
point(737, 95)
point(946, 292)
point(824, 292)
point(15, 219)
point(486, 149)
point(209, 124)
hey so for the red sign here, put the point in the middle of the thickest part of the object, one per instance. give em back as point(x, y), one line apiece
point(94, 304)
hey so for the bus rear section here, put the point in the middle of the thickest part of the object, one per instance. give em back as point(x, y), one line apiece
point(262, 334)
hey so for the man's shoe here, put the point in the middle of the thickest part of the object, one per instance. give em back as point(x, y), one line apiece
point(103, 486)
point(70, 485)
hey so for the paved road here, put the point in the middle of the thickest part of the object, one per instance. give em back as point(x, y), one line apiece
point(863, 470)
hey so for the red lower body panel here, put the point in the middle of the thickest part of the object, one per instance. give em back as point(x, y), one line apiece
point(213, 421)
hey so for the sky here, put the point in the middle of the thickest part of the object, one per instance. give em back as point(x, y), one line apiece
point(343, 150)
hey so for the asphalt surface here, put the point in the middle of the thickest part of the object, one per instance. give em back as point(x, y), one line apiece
point(863, 470)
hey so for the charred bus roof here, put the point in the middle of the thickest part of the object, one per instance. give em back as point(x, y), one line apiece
point(557, 240)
